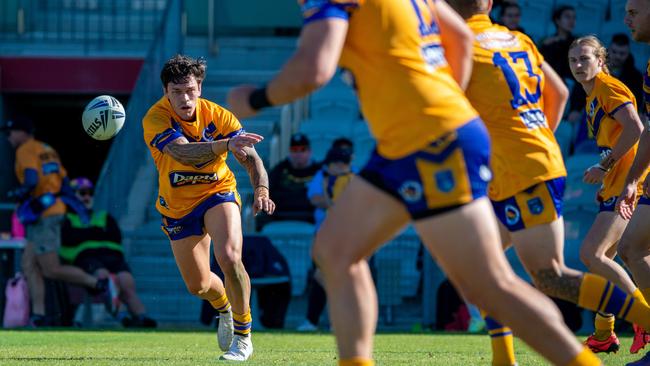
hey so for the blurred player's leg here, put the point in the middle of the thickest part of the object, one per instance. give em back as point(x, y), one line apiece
point(223, 223)
point(486, 279)
point(362, 219)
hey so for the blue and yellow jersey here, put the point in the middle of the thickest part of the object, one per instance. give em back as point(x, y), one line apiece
point(334, 184)
point(42, 158)
point(608, 96)
point(183, 187)
point(394, 54)
point(646, 91)
point(506, 89)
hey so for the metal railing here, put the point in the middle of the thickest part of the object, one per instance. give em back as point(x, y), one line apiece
point(91, 24)
point(129, 154)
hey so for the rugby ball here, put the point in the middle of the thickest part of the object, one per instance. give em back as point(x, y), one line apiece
point(103, 117)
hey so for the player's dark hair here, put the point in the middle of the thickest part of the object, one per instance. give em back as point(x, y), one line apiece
point(557, 12)
point(179, 68)
point(468, 8)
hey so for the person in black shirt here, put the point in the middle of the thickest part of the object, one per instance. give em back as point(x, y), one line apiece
point(556, 47)
point(289, 179)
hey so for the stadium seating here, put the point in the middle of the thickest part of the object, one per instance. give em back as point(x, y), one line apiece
point(564, 134)
point(590, 16)
point(576, 225)
point(293, 239)
point(580, 195)
point(536, 18)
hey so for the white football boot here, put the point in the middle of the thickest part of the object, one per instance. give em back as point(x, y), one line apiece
point(225, 332)
point(241, 349)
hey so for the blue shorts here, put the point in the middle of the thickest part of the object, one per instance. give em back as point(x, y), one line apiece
point(644, 200)
point(536, 205)
point(450, 172)
point(192, 223)
point(609, 205)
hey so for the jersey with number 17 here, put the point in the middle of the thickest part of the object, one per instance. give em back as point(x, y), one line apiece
point(393, 52)
point(506, 89)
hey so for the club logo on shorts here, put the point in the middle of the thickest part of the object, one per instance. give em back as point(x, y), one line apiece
point(535, 205)
point(445, 180)
point(609, 202)
point(179, 179)
point(512, 214)
point(411, 191)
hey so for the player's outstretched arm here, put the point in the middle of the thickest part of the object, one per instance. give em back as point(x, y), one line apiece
point(457, 40)
point(555, 95)
point(195, 153)
point(311, 66)
point(259, 179)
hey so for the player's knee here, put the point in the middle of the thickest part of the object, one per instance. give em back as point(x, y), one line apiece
point(198, 288)
point(588, 257)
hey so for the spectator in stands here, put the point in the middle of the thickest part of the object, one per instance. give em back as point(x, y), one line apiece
point(43, 195)
point(96, 247)
point(556, 47)
point(510, 16)
point(322, 192)
point(621, 65)
point(289, 180)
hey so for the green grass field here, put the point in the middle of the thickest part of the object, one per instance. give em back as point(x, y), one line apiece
point(74, 347)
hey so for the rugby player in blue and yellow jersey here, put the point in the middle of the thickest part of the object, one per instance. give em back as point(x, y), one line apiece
point(614, 123)
point(634, 246)
point(189, 139)
point(406, 60)
point(521, 99)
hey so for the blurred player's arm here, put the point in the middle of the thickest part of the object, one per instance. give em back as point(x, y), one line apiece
point(194, 153)
point(457, 41)
point(311, 66)
point(31, 181)
point(555, 96)
point(259, 179)
point(641, 160)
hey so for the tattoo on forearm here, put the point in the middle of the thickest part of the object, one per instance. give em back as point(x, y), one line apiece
point(255, 168)
point(191, 153)
point(561, 285)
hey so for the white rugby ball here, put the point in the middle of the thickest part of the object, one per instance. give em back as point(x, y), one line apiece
point(103, 117)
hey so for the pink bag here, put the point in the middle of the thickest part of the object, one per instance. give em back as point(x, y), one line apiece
point(17, 229)
point(17, 303)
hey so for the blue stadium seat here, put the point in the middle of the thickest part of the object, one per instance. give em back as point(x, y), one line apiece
point(536, 18)
point(323, 131)
point(336, 101)
point(293, 239)
point(399, 257)
point(590, 16)
point(564, 135)
point(580, 195)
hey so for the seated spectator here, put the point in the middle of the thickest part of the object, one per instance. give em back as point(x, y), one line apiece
point(323, 192)
point(510, 16)
point(96, 247)
point(556, 47)
point(42, 197)
point(288, 181)
point(621, 65)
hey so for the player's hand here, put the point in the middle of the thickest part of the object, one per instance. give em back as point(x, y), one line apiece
point(238, 101)
point(593, 175)
point(262, 201)
point(239, 143)
point(626, 201)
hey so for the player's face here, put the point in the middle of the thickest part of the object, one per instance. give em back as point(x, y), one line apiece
point(637, 18)
point(618, 54)
point(299, 156)
point(183, 97)
point(583, 63)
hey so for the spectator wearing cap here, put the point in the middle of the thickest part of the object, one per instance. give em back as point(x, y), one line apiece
point(323, 191)
point(42, 197)
point(288, 181)
point(95, 245)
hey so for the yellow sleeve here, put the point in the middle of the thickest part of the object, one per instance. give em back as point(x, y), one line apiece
point(159, 130)
point(614, 97)
point(27, 158)
point(229, 124)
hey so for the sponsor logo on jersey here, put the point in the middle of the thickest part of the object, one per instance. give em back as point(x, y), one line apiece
point(180, 179)
point(535, 205)
point(411, 191)
point(512, 214)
